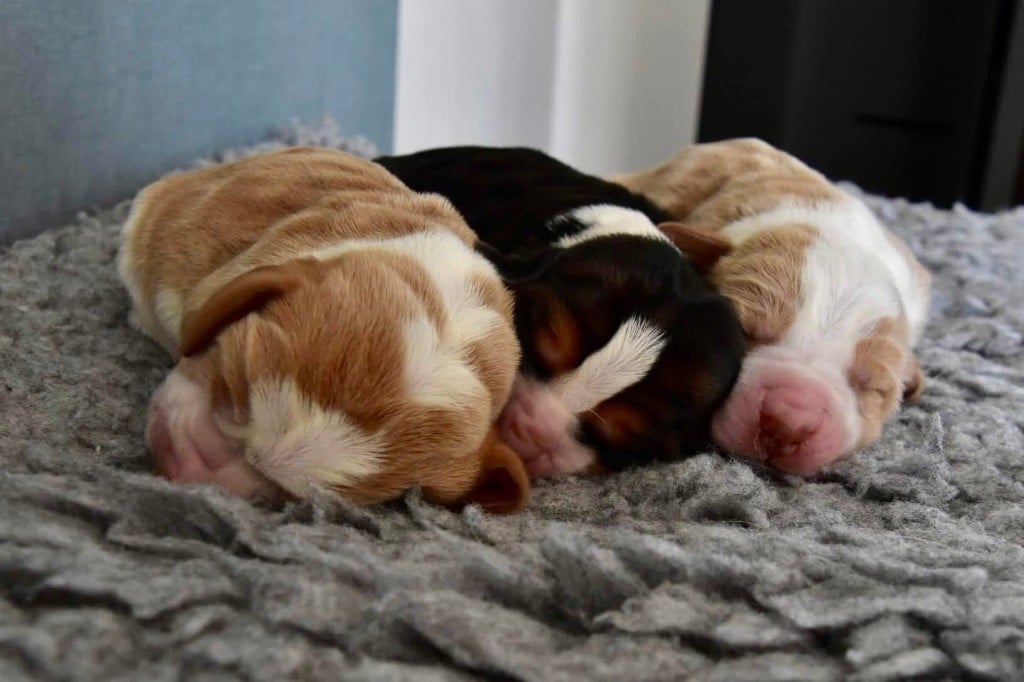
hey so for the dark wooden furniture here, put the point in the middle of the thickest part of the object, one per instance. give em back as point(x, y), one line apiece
point(916, 98)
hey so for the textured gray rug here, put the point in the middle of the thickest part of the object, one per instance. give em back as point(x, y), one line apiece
point(906, 561)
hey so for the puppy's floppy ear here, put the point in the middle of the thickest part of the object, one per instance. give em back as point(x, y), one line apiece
point(702, 247)
point(913, 380)
point(503, 485)
point(518, 268)
point(243, 295)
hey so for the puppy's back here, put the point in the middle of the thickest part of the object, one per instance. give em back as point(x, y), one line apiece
point(510, 195)
point(717, 183)
point(190, 233)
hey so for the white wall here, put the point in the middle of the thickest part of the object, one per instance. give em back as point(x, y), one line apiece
point(606, 85)
point(474, 71)
point(628, 80)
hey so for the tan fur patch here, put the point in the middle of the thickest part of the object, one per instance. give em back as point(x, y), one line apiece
point(557, 342)
point(718, 183)
point(486, 355)
point(762, 279)
point(617, 421)
point(876, 372)
point(414, 277)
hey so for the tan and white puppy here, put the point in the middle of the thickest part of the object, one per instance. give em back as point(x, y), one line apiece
point(831, 302)
point(332, 327)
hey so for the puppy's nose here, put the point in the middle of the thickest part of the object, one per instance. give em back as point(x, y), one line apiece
point(789, 418)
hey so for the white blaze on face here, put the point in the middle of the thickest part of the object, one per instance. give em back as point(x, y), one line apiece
point(852, 276)
point(626, 359)
point(605, 220)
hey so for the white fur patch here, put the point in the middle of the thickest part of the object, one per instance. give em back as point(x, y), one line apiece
point(446, 258)
point(623, 361)
point(435, 369)
point(605, 220)
point(295, 442)
point(453, 266)
point(436, 360)
point(155, 322)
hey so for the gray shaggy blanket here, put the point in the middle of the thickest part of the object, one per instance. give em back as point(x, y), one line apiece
point(905, 561)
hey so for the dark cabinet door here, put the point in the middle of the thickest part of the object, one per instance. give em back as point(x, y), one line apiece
point(895, 96)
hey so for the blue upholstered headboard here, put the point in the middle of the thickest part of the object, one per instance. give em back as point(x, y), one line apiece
point(98, 97)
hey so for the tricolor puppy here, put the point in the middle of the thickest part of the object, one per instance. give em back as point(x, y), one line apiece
point(627, 351)
point(832, 304)
point(332, 327)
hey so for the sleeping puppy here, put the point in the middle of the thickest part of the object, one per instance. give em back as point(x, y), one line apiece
point(331, 327)
point(626, 351)
point(832, 304)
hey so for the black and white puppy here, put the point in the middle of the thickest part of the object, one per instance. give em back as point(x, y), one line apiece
point(627, 351)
